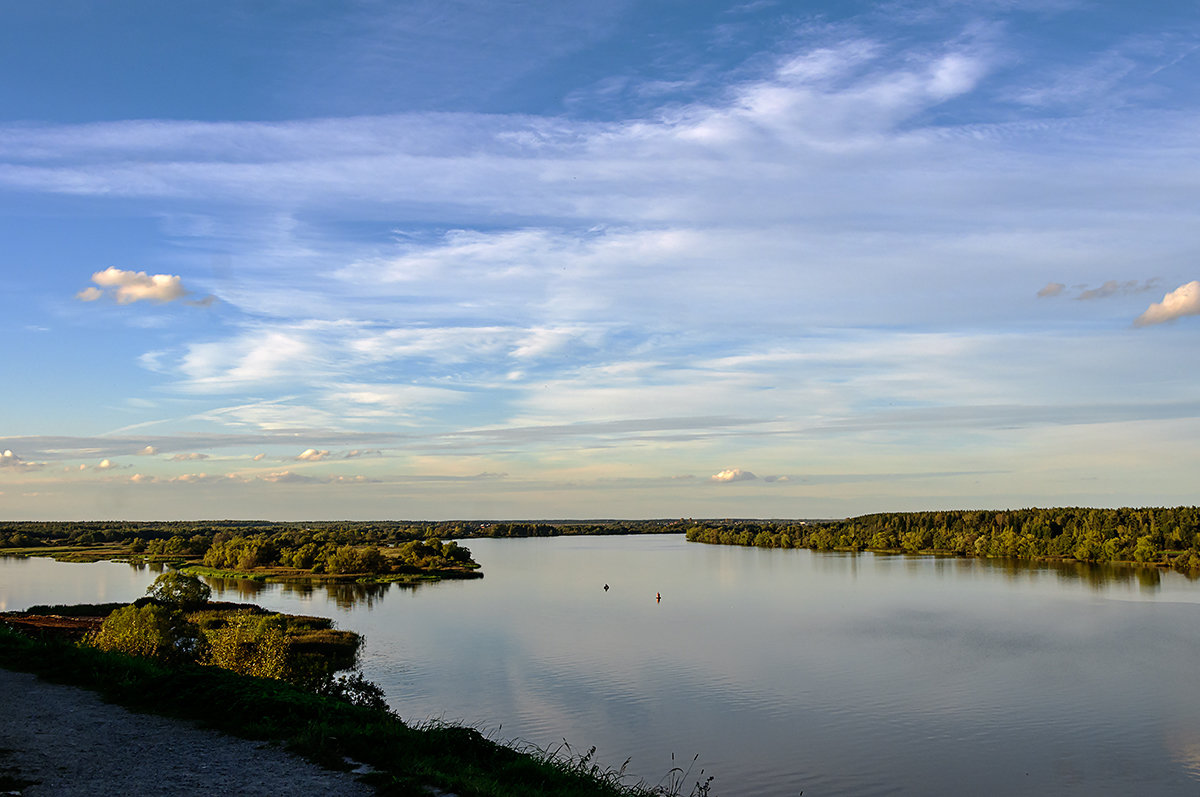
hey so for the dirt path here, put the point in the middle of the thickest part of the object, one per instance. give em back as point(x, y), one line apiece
point(70, 742)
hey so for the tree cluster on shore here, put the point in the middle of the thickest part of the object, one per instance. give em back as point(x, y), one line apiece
point(1152, 536)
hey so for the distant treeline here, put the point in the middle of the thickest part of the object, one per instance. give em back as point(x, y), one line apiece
point(193, 538)
point(1158, 536)
point(393, 550)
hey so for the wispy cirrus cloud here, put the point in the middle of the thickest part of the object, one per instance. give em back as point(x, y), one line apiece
point(833, 97)
point(1114, 288)
point(1105, 290)
point(1111, 78)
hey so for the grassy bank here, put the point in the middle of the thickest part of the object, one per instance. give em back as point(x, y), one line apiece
point(407, 759)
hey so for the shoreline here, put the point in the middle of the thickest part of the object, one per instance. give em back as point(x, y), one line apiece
point(395, 758)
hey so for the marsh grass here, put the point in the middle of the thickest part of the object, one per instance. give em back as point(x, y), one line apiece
point(76, 609)
point(677, 779)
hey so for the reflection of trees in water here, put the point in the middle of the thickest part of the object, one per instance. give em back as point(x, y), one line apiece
point(153, 567)
point(298, 589)
point(1098, 576)
point(243, 588)
point(346, 595)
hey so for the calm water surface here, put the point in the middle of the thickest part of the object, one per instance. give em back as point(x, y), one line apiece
point(789, 670)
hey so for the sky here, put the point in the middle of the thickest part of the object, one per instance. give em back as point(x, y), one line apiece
point(656, 258)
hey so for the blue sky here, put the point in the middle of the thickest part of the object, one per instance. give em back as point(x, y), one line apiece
point(627, 259)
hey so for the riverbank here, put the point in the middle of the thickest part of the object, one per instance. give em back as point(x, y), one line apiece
point(404, 760)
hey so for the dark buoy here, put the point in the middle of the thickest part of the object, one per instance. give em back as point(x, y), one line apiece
point(606, 588)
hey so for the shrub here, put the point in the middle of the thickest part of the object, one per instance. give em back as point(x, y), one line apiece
point(355, 689)
point(153, 631)
point(250, 645)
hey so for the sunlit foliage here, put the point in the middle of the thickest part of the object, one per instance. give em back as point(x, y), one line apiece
point(159, 632)
point(1160, 536)
point(249, 644)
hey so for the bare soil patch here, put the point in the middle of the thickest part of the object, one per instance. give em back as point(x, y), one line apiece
point(62, 740)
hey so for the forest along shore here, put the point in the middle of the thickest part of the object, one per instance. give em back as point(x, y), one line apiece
point(1147, 537)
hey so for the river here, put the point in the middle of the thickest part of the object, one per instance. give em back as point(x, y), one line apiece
point(783, 670)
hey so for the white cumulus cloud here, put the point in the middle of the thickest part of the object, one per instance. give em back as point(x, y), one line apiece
point(733, 475)
point(133, 286)
point(194, 478)
point(312, 455)
point(289, 477)
point(188, 457)
point(1184, 300)
point(10, 460)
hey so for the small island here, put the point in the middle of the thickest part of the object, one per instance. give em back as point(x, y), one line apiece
point(261, 552)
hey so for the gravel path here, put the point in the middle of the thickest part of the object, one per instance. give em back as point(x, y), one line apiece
point(73, 743)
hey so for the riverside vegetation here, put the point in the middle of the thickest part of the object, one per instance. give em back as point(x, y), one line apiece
point(266, 676)
point(413, 551)
point(1163, 537)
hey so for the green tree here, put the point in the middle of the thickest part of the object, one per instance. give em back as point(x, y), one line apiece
point(181, 590)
